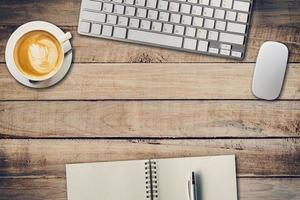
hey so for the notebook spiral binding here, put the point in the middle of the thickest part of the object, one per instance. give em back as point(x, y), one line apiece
point(151, 180)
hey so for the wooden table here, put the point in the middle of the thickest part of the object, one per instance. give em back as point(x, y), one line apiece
point(122, 101)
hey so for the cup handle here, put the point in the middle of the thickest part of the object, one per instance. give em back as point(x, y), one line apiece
point(67, 36)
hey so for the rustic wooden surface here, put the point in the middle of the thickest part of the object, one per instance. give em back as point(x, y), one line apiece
point(135, 102)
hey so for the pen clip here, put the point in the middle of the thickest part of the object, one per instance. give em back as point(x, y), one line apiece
point(189, 189)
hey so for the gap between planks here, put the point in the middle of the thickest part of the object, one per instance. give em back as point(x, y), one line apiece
point(240, 176)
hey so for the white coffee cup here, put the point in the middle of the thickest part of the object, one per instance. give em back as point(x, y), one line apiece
point(53, 30)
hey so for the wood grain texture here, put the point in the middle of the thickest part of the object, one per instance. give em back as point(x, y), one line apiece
point(48, 157)
point(150, 81)
point(55, 188)
point(272, 20)
point(207, 119)
point(122, 106)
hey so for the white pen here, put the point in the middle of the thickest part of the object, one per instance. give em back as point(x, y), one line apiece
point(193, 186)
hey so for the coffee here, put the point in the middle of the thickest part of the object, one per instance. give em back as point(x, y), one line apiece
point(38, 54)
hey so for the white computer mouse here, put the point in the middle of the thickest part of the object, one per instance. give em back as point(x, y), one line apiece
point(270, 70)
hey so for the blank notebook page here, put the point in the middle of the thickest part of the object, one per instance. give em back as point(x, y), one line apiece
point(106, 181)
point(216, 176)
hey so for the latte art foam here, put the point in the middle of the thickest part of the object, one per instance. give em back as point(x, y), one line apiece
point(38, 53)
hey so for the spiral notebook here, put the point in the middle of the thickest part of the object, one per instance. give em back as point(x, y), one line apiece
point(155, 179)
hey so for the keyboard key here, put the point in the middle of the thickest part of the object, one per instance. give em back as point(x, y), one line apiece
point(140, 2)
point(152, 14)
point(156, 26)
point(174, 6)
point(242, 17)
point(151, 3)
point(204, 2)
point(107, 7)
point(185, 8)
point(202, 45)
point(157, 38)
point(241, 5)
point(134, 23)
point(213, 50)
point(236, 54)
point(227, 4)
point(220, 14)
point(163, 5)
point(201, 33)
point(119, 9)
point(213, 35)
point(130, 11)
point(231, 38)
point(123, 21)
point(237, 28)
point(92, 5)
point(96, 29)
point(198, 21)
point(111, 19)
point(107, 30)
point(230, 15)
point(145, 24)
point(119, 32)
point(190, 31)
point(140, 12)
point(189, 43)
point(197, 10)
point(163, 16)
point(215, 3)
point(84, 27)
point(225, 52)
point(220, 25)
point(92, 16)
point(226, 46)
point(175, 18)
point(208, 12)
point(129, 1)
point(209, 23)
point(168, 28)
point(186, 20)
point(179, 30)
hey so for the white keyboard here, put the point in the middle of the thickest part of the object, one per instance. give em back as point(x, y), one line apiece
point(213, 27)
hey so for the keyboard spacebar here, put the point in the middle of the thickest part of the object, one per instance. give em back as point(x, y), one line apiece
point(155, 38)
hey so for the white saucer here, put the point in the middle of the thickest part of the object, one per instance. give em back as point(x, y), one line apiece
point(37, 84)
point(46, 83)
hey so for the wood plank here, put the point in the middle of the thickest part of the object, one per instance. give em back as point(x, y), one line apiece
point(48, 157)
point(150, 81)
point(55, 188)
point(133, 53)
point(209, 119)
point(272, 20)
